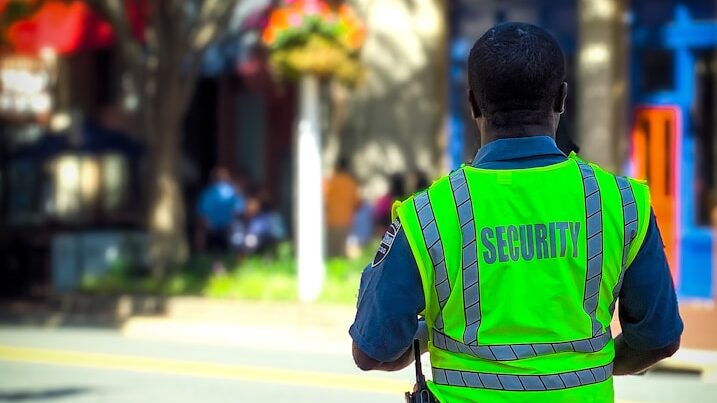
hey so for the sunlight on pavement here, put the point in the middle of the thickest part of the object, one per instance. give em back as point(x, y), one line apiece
point(203, 369)
point(206, 369)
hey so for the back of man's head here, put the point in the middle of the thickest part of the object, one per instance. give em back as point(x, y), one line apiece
point(515, 71)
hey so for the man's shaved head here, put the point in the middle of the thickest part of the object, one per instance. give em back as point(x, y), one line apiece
point(515, 72)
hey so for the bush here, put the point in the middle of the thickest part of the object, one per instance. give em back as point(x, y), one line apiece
point(255, 278)
point(276, 279)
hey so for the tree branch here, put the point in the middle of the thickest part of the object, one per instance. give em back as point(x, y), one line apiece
point(214, 15)
point(133, 57)
point(114, 12)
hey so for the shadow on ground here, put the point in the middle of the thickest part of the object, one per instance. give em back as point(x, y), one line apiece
point(56, 393)
point(77, 309)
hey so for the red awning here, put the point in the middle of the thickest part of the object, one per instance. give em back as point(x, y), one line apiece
point(66, 27)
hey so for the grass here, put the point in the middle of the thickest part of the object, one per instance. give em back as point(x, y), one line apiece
point(255, 278)
point(276, 279)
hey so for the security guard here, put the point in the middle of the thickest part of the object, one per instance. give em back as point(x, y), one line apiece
point(517, 260)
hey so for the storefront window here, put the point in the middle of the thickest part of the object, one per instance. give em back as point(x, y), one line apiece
point(25, 192)
point(115, 182)
point(25, 84)
point(22, 135)
point(66, 200)
point(85, 186)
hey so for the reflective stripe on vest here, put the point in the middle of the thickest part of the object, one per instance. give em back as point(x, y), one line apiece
point(510, 352)
point(482, 380)
point(593, 215)
point(629, 214)
point(469, 257)
point(471, 291)
point(432, 238)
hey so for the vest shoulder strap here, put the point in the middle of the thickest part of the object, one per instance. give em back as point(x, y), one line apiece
point(642, 198)
point(416, 215)
point(639, 192)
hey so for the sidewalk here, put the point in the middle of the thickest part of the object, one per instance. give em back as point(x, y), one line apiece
point(319, 328)
point(314, 328)
point(79, 310)
point(284, 326)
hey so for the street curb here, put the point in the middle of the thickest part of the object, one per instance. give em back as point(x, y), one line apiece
point(288, 326)
point(691, 360)
point(79, 310)
point(260, 312)
point(115, 311)
point(306, 339)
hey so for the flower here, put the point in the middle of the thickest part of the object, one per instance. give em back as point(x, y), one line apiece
point(315, 37)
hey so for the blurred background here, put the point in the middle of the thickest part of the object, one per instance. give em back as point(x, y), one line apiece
point(190, 189)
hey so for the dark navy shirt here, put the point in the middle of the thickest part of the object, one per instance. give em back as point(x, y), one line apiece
point(391, 296)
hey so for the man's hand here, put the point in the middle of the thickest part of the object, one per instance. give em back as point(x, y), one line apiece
point(630, 361)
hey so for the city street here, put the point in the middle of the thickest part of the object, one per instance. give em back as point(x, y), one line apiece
point(100, 365)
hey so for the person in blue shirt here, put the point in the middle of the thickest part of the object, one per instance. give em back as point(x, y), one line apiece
point(217, 206)
point(517, 130)
point(263, 226)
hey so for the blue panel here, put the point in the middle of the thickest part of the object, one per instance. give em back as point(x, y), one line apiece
point(699, 35)
point(686, 32)
point(456, 129)
point(683, 36)
point(696, 265)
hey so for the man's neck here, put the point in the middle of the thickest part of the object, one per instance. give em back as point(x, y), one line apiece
point(490, 133)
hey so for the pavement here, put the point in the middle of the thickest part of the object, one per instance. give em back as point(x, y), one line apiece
point(101, 365)
point(315, 328)
point(221, 351)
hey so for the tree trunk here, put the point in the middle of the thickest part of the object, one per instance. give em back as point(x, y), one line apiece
point(168, 246)
point(310, 211)
point(163, 67)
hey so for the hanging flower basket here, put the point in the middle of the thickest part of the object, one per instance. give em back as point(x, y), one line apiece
point(314, 37)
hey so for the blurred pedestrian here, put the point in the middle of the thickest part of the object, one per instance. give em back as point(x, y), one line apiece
point(342, 200)
point(420, 181)
point(239, 183)
point(238, 228)
point(260, 228)
point(382, 208)
point(218, 203)
point(361, 229)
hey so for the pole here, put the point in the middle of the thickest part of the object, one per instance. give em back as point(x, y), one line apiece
point(602, 92)
point(310, 211)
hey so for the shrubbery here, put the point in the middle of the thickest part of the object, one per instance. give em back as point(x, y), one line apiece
point(255, 278)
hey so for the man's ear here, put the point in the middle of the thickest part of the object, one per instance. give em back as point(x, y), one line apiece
point(475, 111)
point(559, 106)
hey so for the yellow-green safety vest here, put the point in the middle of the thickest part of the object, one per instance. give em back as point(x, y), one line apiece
point(520, 270)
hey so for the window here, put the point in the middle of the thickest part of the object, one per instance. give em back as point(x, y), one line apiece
point(25, 180)
point(115, 182)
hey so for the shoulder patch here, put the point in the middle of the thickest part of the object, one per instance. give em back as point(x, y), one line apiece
point(386, 243)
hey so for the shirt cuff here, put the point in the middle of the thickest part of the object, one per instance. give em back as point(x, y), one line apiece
point(372, 351)
point(640, 343)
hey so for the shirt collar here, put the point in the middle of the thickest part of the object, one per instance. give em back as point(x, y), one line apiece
point(516, 148)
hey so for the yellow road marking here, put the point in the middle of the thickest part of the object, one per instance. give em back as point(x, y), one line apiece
point(203, 369)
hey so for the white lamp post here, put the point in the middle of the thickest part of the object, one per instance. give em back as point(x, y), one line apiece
point(309, 209)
